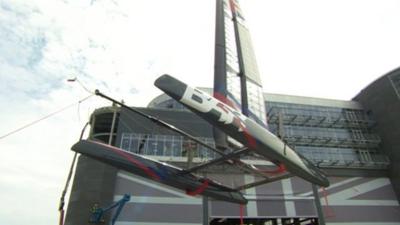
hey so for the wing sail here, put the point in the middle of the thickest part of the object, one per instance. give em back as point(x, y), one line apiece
point(237, 81)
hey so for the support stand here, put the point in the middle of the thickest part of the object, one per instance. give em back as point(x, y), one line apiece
point(321, 218)
point(205, 211)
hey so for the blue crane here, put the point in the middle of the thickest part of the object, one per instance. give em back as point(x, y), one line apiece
point(98, 213)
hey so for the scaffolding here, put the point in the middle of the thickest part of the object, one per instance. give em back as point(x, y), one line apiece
point(308, 118)
point(369, 141)
point(329, 137)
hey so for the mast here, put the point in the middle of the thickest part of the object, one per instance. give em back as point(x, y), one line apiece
point(236, 77)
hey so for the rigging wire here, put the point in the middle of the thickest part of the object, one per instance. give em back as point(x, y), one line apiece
point(137, 123)
point(45, 117)
point(81, 84)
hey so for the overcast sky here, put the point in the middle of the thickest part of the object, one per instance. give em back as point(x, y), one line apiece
point(329, 49)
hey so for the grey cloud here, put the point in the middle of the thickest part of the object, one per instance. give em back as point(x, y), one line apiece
point(24, 69)
point(21, 43)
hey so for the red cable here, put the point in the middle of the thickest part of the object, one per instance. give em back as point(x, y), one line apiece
point(61, 222)
point(281, 168)
point(199, 190)
point(233, 6)
point(329, 211)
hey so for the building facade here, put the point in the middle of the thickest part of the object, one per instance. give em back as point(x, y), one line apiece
point(381, 100)
point(349, 140)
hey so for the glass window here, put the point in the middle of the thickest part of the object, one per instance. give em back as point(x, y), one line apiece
point(125, 142)
point(176, 146)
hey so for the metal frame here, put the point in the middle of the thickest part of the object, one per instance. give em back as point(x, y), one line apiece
point(227, 158)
